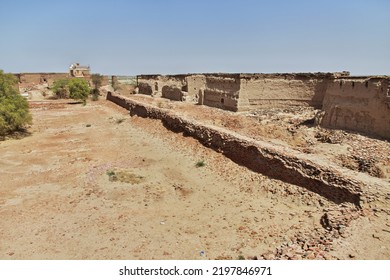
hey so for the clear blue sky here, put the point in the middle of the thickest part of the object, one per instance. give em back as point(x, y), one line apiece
point(178, 36)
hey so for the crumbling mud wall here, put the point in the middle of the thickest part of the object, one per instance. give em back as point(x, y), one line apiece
point(214, 90)
point(118, 100)
point(358, 103)
point(355, 103)
point(260, 156)
point(282, 90)
point(196, 85)
point(172, 87)
point(240, 92)
point(31, 79)
point(27, 80)
point(222, 91)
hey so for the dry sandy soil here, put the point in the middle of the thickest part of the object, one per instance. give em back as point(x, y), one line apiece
point(91, 182)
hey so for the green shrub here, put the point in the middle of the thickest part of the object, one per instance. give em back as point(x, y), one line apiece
point(14, 113)
point(61, 88)
point(200, 163)
point(75, 88)
point(78, 89)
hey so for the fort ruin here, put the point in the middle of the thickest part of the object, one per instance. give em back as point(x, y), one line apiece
point(355, 103)
point(295, 164)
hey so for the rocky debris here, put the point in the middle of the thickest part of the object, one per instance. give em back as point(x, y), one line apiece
point(364, 154)
point(371, 149)
point(317, 244)
point(336, 219)
point(367, 164)
point(330, 136)
point(303, 246)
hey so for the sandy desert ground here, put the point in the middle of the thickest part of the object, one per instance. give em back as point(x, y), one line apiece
point(91, 182)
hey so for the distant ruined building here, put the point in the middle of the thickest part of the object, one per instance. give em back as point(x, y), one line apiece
point(79, 71)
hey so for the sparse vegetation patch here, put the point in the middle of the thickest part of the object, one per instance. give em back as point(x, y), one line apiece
point(124, 176)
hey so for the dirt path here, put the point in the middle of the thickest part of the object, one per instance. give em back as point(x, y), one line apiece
point(93, 183)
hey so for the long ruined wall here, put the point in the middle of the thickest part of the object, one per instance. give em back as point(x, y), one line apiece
point(31, 79)
point(27, 80)
point(359, 104)
point(263, 157)
point(355, 103)
point(239, 92)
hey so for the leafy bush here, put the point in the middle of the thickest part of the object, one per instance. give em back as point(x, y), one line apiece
point(14, 113)
point(61, 88)
point(79, 89)
point(71, 88)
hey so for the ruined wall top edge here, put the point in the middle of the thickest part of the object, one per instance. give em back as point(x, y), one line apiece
point(42, 73)
point(253, 75)
point(363, 78)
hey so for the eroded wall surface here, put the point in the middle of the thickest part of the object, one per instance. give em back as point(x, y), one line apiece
point(173, 87)
point(222, 91)
point(282, 90)
point(239, 92)
point(31, 79)
point(355, 103)
point(27, 80)
point(196, 85)
point(359, 104)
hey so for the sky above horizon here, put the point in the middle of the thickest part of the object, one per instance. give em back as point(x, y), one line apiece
point(177, 36)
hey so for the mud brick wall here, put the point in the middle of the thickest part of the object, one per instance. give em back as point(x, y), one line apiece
point(355, 103)
point(173, 87)
point(358, 104)
point(196, 84)
point(222, 91)
point(239, 92)
point(31, 79)
point(118, 100)
point(283, 90)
